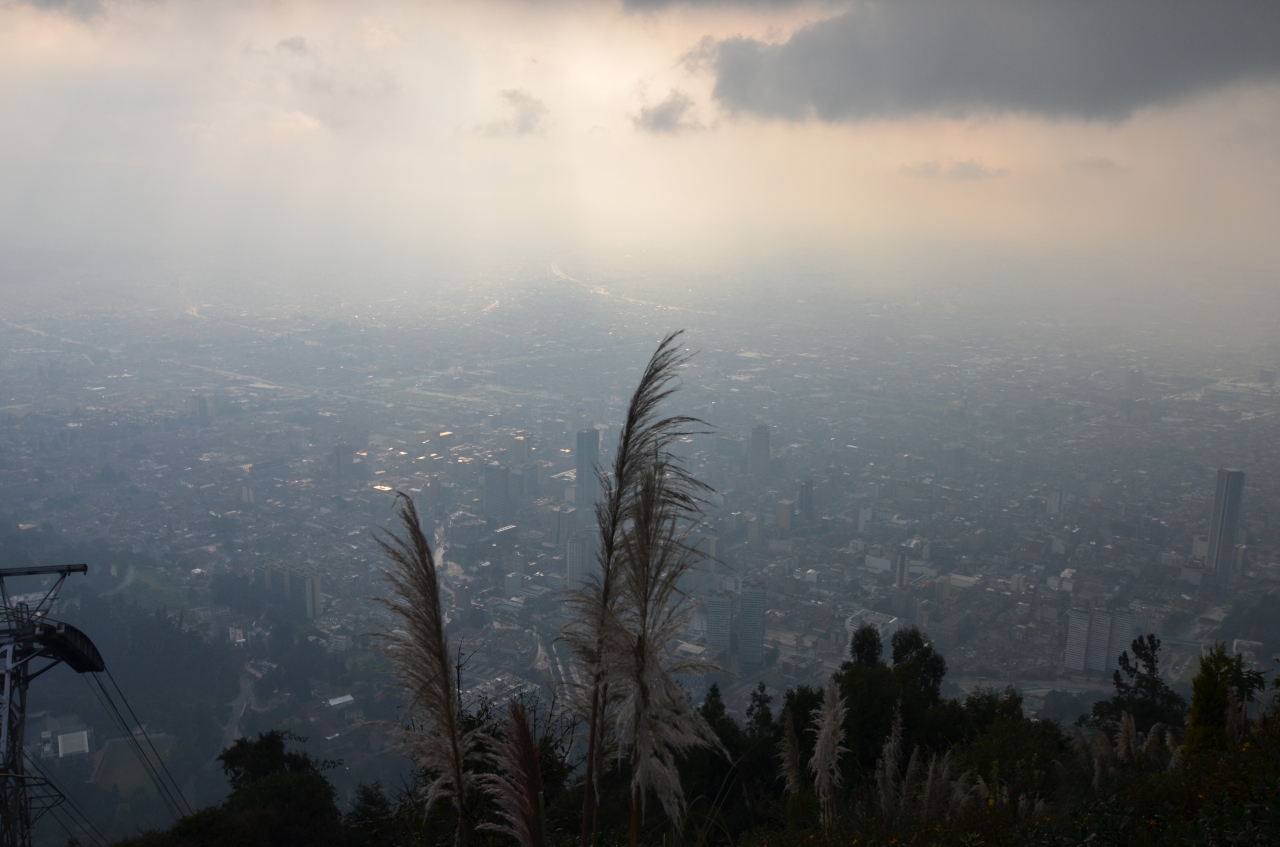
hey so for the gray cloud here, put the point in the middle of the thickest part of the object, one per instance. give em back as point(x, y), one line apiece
point(294, 44)
point(968, 170)
point(529, 116)
point(1100, 165)
point(675, 114)
point(662, 4)
point(83, 9)
point(1091, 59)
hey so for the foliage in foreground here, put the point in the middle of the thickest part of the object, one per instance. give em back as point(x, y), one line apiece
point(959, 772)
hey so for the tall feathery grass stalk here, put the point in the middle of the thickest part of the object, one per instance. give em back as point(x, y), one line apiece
point(1152, 746)
point(937, 788)
point(1103, 757)
point(1126, 742)
point(1177, 753)
point(828, 745)
point(419, 653)
point(516, 788)
point(789, 756)
point(645, 434)
point(656, 722)
point(888, 768)
point(911, 780)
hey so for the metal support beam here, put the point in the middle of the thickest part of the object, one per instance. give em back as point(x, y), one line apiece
point(26, 633)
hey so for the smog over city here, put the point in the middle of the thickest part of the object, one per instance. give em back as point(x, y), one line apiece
point(554, 422)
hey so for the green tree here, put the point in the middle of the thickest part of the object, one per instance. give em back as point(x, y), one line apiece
point(759, 715)
point(279, 798)
point(866, 647)
point(1220, 681)
point(1140, 691)
point(917, 665)
point(246, 762)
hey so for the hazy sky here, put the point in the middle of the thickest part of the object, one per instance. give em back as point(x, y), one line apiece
point(1143, 134)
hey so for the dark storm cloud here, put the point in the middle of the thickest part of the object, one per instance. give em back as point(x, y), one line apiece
point(1091, 59)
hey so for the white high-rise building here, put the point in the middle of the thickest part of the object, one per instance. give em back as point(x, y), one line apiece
point(1076, 657)
point(1095, 640)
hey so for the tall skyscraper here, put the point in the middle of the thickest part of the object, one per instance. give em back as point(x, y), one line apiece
point(900, 559)
point(497, 491)
point(580, 557)
point(314, 599)
point(1077, 641)
point(564, 523)
point(719, 621)
point(758, 458)
point(1224, 526)
point(588, 456)
point(1099, 641)
point(865, 516)
point(751, 627)
point(782, 515)
point(808, 509)
point(342, 461)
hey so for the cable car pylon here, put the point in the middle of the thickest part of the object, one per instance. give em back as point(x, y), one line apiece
point(30, 644)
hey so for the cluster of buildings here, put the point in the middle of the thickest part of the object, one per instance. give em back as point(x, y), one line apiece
point(1028, 501)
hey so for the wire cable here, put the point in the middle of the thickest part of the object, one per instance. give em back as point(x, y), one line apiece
point(78, 815)
point(122, 727)
point(73, 806)
point(85, 833)
point(75, 811)
point(71, 836)
point(138, 723)
point(131, 736)
point(100, 692)
point(77, 828)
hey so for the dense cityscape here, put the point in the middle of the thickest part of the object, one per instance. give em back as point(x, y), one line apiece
point(1030, 506)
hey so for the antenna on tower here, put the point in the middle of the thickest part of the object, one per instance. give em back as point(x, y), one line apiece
point(30, 644)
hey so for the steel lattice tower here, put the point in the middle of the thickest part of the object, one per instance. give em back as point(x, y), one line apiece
point(29, 638)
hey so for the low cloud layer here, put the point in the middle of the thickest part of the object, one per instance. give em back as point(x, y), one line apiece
point(1089, 59)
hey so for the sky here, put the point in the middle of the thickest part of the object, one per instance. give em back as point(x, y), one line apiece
point(895, 136)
